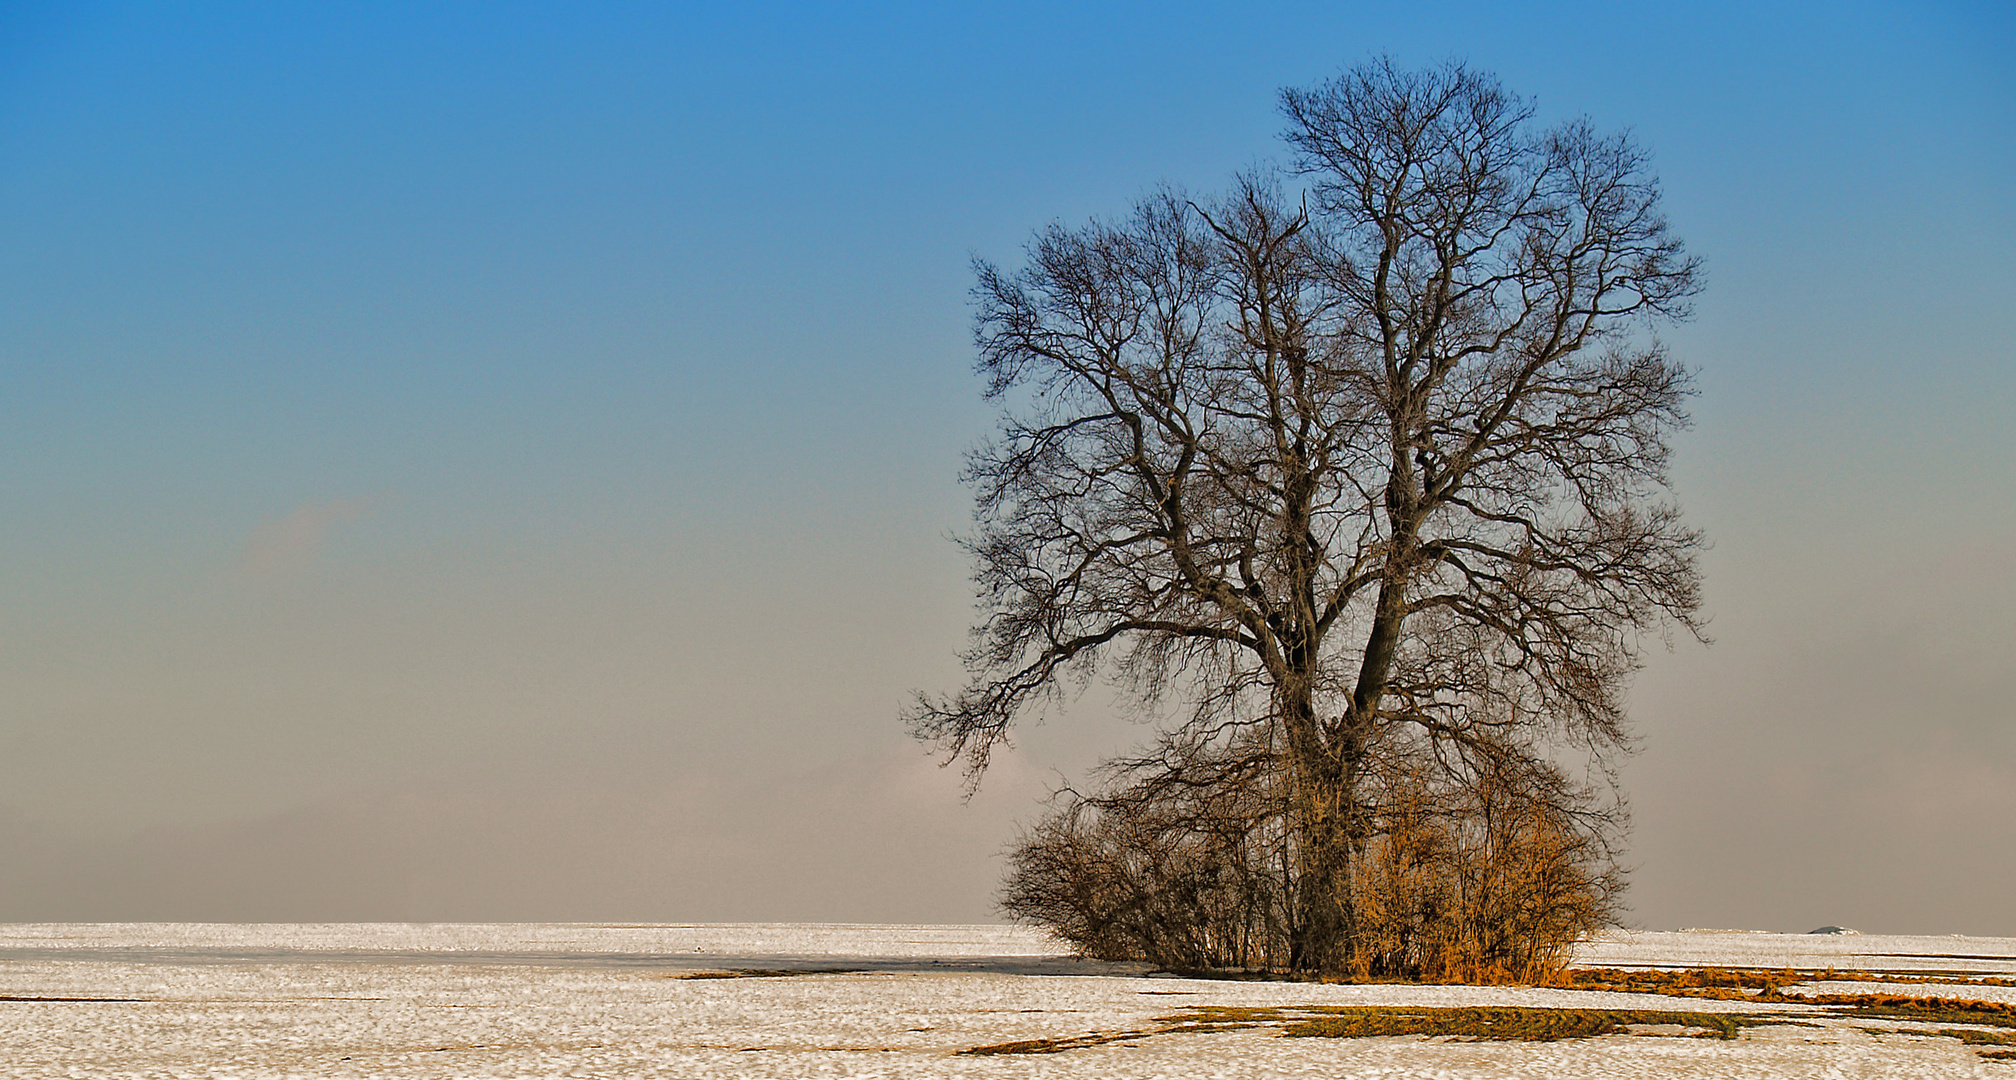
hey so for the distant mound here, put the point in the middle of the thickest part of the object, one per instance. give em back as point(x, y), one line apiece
point(1834, 930)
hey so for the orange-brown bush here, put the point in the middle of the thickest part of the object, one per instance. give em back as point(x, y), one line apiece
point(1482, 875)
point(1490, 882)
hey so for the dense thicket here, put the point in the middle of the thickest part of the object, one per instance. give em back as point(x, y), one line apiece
point(1363, 465)
point(1187, 860)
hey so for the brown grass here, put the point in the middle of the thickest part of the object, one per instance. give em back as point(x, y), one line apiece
point(1967, 1037)
point(1978, 1038)
point(1715, 984)
point(1831, 975)
point(1054, 1046)
point(1927, 1009)
point(1515, 1024)
point(1359, 1022)
point(1548, 1025)
point(31, 997)
point(765, 973)
point(1755, 978)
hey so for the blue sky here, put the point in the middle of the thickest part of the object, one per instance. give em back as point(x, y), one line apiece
point(544, 420)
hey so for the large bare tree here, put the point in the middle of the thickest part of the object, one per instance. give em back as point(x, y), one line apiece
point(1372, 452)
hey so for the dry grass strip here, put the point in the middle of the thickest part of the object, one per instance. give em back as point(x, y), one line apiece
point(765, 973)
point(1360, 1022)
point(1714, 983)
point(1739, 983)
point(1927, 1009)
point(1968, 1037)
point(35, 998)
point(1532, 1024)
point(1055, 1046)
point(1510, 1024)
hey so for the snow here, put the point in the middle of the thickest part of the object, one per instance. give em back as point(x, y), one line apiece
point(578, 1000)
point(1857, 952)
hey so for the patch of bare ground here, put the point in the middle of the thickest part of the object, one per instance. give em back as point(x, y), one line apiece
point(1999, 1046)
point(30, 997)
point(1936, 1010)
point(1982, 1038)
point(1712, 983)
point(1534, 1024)
point(1733, 984)
point(1344, 1021)
point(765, 973)
point(1933, 1010)
point(1055, 1046)
point(1512, 1024)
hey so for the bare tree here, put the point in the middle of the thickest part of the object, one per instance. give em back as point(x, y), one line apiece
point(1380, 466)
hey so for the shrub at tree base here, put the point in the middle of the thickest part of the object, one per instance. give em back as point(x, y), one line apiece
point(1190, 866)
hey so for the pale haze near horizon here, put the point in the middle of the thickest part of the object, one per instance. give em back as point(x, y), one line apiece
point(498, 464)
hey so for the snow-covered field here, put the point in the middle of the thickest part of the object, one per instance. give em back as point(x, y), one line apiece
point(579, 1000)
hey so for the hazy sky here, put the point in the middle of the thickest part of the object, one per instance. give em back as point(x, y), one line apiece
point(497, 462)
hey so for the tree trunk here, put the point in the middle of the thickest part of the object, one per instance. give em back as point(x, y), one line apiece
point(1332, 829)
point(1325, 798)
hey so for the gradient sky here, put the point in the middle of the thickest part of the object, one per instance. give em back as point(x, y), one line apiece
point(495, 461)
